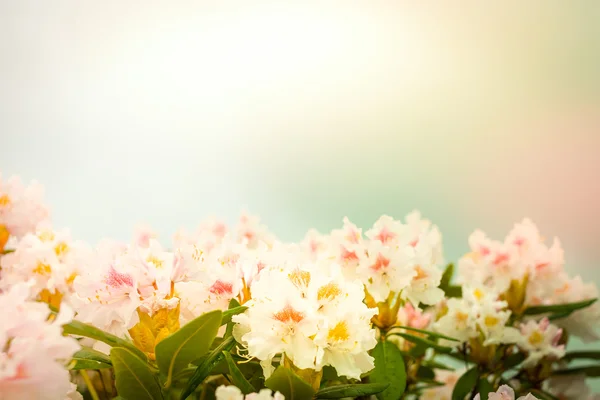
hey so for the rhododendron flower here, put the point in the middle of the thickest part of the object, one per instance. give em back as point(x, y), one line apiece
point(50, 260)
point(311, 318)
point(21, 208)
point(582, 323)
point(233, 393)
point(522, 253)
point(539, 340)
point(477, 315)
point(34, 350)
point(505, 392)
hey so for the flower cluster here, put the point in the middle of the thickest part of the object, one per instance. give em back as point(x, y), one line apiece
point(47, 258)
point(34, 351)
point(311, 318)
point(21, 209)
point(335, 315)
point(527, 272)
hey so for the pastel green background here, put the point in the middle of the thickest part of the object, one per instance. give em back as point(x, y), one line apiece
point(303, 112)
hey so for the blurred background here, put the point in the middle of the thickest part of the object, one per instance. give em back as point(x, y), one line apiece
point(477, 114)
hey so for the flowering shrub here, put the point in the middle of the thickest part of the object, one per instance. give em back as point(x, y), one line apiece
point(234, 313)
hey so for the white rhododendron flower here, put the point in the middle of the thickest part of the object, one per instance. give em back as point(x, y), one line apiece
point(477, 315)
point(505, 392)
point(313, 319)
point(34, 351)
point(50, 260)
point(529, 272)
point(21, 208)
point(233, 393)
point(539, 340)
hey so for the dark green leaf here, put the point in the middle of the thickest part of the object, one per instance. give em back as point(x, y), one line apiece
point(423, 341)
point(465, 384)
point(80, 329)
point(447, 277)
point(189, 343)
point(237, 377)
point(88, 358)
point(227, 314)
point(428, 333)
point(204, 369)
point(425, 373)
point(592, 371)
point(453, 291)
point(513, 360)
point(437, 365)
point(561, 309)
point(351, 390)
point(389, 368)
point(484, 387)
point(134, 378)
point(329, 374)
point(289, 384)
point(586, 355)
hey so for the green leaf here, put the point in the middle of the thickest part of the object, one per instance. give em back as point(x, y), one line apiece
point(563, 310)
point(389, 368)
point(429, 333)
point(80, 329)
point(484, 387)
point(586, 355)
point(134, 378)
point(447, 277)
point(437, 365)
point(351, 390)
point(453, 291)
point(285, 381)
point(425, 373)
point(227, 314)
point(513, 360)
point(88, 358)
point(465, 384)
point(591, 371)
point(204, 369)
point(542, 395)
point(233, 303)
point(237, 377)
point(192, 341)
point(423, 341)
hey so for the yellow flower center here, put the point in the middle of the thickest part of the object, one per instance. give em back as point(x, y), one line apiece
point(535, 338)
point(46, 236)
point(421, 274)
point(339, 332)
point(42, 269)
point(491, 321)
point(461, 317)
point(155, 260)
point(300, 278)
point(478, 294)
point(61, 249)
point(329, 291)
point(4, 200)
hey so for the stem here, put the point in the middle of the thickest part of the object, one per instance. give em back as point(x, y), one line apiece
point(89, 385)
